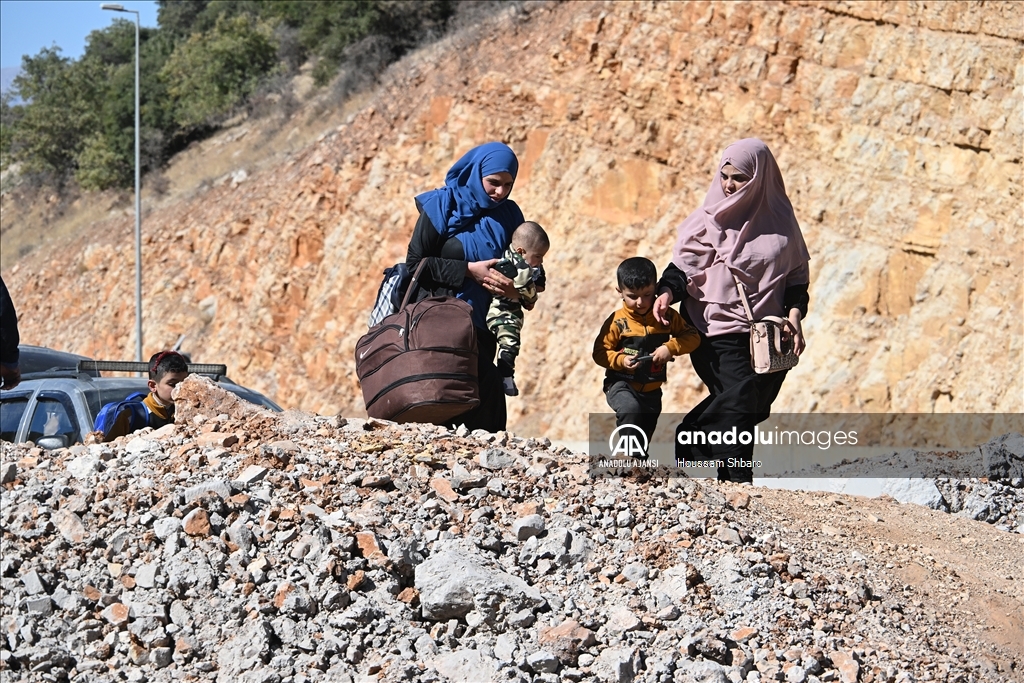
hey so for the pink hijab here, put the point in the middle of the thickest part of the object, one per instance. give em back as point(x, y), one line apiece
point(752, 233)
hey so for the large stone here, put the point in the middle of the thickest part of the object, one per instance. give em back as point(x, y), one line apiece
point(116, 613)
point(616, 665)
point(70, 526)
point(847, 665)
point(217, 486)
point(728, 535)
point(250, 648)
point(466, 665)
point(673, 583)
point(622, 620)
point(543, 662)
point(166, 526)
point(702, 672)
point(242, 536)
point(528, 527)
point(196, 523)
point(443, 489)
point(160, 657)
point(917, 491)
point(84, 466)
point(217, 440)
point(140, 444)
point(495, 459)
point(566, 640)
point(252, 474)
point(43, 605)
point(33, 583)
point(456, 578)
point(199, 395)
point(369, 547)
point(145, 576)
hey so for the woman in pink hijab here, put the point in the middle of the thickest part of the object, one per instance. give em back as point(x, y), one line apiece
point(745, 228)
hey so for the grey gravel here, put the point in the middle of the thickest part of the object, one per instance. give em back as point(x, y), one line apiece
point(331, 558)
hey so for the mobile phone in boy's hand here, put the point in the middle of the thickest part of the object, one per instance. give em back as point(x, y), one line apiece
point(506, 268)
point(649, 357)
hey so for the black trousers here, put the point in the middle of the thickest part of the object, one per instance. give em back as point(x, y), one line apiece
point(738, 398)
point(490, 414)
point(632, 407)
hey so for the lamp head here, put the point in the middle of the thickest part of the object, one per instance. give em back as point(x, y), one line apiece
point(112, 7)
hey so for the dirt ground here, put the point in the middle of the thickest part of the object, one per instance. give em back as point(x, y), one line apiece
point(956, 571)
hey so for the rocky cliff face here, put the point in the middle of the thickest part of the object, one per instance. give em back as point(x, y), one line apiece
point(897, 126)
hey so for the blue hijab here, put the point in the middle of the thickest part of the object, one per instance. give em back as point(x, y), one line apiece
point(462, 209)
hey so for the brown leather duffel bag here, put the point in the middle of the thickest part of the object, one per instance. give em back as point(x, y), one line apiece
point(420, 363)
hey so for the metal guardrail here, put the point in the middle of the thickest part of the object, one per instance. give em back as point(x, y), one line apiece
point(218, 370)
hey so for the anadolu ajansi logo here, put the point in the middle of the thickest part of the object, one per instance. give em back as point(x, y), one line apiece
point(628, 441)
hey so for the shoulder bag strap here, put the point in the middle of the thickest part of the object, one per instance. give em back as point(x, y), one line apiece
point(743, 298)
point(414, 283)
point(779, 321)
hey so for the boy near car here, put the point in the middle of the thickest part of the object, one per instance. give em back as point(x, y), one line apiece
point(166, 370)
point(634, 348)
point(523, 264)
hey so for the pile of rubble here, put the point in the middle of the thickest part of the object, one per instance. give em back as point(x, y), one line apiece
point(243, 546)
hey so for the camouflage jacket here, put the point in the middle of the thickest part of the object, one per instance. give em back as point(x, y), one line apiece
point(525, 284)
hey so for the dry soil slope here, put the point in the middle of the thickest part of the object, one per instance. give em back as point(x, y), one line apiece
point(897, 126)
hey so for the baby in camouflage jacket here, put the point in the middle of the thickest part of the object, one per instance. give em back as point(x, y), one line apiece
point(523, 264)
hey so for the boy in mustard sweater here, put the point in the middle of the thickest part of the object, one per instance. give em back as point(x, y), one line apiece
point(167, 369)
point(635, 348)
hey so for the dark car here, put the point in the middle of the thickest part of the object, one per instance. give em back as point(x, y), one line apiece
point(60, 394)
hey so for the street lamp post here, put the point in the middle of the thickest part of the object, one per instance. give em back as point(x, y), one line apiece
point(138, 196)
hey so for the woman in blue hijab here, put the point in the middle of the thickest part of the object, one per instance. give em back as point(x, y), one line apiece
point(463, 229)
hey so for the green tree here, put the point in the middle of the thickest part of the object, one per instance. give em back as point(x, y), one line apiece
point(57, 115)
point(212, 72)
point(107, 158)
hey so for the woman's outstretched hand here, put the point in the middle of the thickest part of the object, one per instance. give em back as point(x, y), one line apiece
point(799, 343)
point(491, 280)
point(661, 305)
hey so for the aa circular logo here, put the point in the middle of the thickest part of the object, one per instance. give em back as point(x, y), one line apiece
point(628, 441)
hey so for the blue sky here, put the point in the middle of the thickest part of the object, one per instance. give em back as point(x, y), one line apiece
point(27, 26)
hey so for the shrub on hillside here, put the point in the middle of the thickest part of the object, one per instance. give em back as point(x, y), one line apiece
point(211, 73)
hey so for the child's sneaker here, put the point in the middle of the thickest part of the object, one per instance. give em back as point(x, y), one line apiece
point(510, 386)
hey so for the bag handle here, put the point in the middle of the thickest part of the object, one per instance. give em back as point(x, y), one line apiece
point(743, 298)
point(413, 283)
